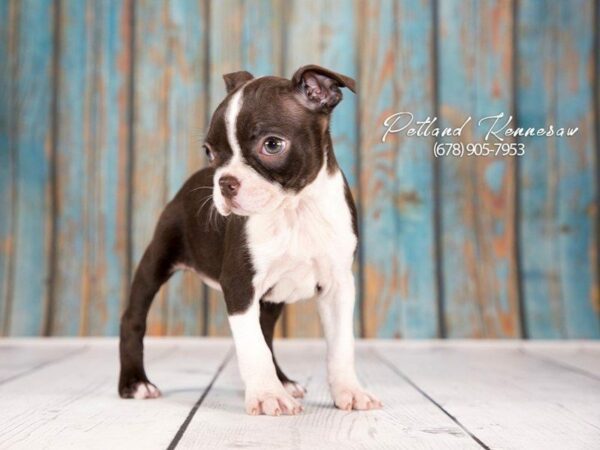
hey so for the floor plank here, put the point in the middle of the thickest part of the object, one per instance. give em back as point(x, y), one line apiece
point(74, 404)
point(408, 420)
point(506, 397)
point(437, 394)
point(17, 360)
point(583, 358)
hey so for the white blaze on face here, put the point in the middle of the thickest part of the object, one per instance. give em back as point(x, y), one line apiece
point(255, 194)
point(231, 115)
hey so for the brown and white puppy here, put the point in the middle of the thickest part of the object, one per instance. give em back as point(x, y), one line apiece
point(272, 221)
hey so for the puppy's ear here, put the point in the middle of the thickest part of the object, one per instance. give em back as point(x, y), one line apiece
point(236, 79)
point(319, 88)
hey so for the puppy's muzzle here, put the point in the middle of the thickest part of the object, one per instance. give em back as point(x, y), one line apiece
point(229, 185)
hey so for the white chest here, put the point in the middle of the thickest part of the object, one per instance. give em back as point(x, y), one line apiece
point(300, 248)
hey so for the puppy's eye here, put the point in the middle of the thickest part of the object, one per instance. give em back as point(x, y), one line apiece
point(272, 146)
point(209, 153)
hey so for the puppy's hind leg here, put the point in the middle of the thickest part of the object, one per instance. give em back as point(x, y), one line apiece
point(154, 269)
point(269, 314)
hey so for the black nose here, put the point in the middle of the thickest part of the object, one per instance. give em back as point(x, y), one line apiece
point(229, 186)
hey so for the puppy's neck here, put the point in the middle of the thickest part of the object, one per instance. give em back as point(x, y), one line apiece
point(315, 196)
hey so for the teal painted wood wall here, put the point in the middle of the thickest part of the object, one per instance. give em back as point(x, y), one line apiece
point(103, 105)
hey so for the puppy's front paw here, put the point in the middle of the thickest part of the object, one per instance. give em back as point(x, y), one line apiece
point(294, 389)
point(271, 402)
point(349, 397)
point(140, 390)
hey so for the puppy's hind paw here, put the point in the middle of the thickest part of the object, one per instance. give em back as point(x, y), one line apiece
point(140, 390)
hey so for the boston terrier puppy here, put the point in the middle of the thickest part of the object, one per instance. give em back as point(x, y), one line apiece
point(271, 221)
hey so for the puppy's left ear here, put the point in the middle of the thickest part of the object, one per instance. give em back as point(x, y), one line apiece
point(319, 88)
point(236, 79)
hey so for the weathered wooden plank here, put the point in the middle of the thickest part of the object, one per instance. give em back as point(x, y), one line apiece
point(186, 106)
point(73, 155)
point(377, 178)
point(396, 179)
point(243, 36)
point(595, 252)
point(8, 40)
point(500, 391)
point(324, 33)
point(33, 136)
point(557, 174)
point(408, 420)
point(385, 290)
point(585, 359)
point(169, 112)
point(414, 172)
point(507, 398)
point(17, 361)
point(68, 403)
point(262, 37)
point(150, 140)
point(93, 96)
point(108, 282)
point(477, 192)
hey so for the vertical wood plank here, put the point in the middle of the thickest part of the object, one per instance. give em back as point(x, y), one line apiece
point(324, 33)
point(92, 156)
point(186, 59)
point(244, 35)
point(107, 271)
point(595, 252)
point(169, 58)
point(8, 39)
point(414, 313)
point(377, 178)
point(477, 193)
point(557, 177)
point(150, 140)
point(33, 136)
point(396, 176)
point(396, 179)
point(72, 156)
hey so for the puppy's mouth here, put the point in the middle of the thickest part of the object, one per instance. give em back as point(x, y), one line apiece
point(234, 207)
point(246, 203)
point(231, 206)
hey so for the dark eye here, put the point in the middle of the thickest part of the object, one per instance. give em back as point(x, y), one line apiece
point(209, 153)
point(273, 146)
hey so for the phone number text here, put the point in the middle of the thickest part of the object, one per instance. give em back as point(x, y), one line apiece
point(460, 149)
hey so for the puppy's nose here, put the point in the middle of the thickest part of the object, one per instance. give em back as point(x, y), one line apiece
point(229, 186)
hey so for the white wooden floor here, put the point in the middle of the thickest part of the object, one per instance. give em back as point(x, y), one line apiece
point(61, 393)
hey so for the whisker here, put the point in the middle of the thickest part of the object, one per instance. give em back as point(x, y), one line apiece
point(214, 213)
point(211, 212)
point(206, 200)
point(201, 187)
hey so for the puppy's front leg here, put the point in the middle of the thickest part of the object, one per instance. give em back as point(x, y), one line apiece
point(264, 392)
point(336, 308)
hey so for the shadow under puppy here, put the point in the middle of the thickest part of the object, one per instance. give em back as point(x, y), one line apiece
point(271, 221)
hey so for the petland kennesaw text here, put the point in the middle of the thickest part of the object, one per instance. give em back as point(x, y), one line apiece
point(496, 126)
